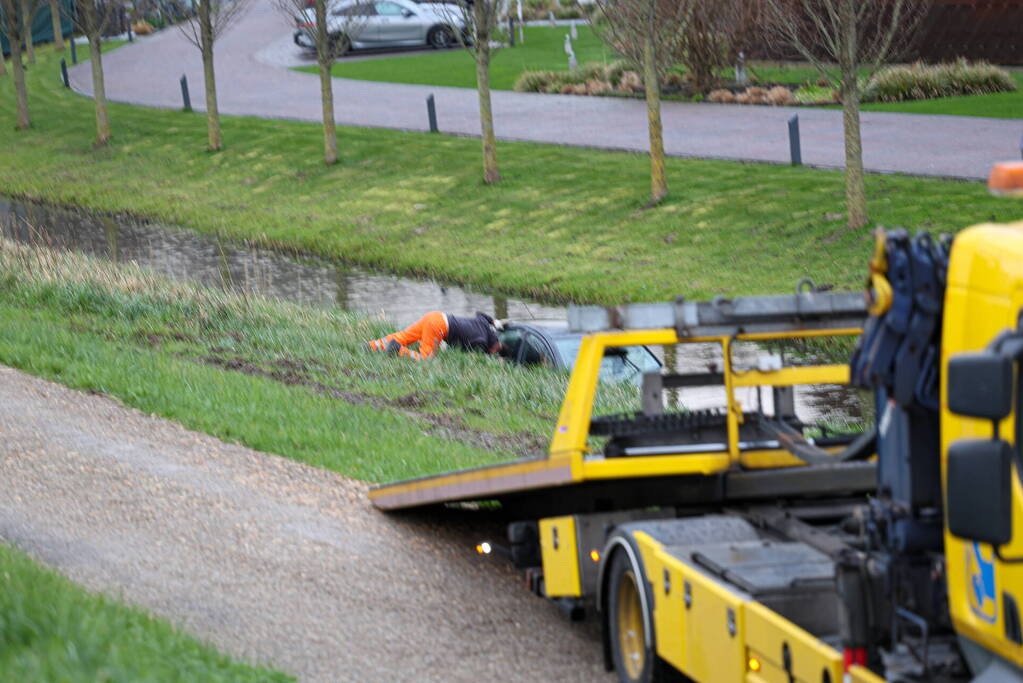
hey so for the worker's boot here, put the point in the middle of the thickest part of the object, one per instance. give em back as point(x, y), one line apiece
point(393, 347)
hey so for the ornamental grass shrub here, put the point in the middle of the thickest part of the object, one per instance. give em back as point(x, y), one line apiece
point(595, 79)
point(925, 81)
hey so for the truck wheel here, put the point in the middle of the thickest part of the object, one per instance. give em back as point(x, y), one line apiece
point(631, 622)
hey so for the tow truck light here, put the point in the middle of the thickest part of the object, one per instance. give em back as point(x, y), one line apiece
point(595, 556)
point(753, 664)
point(483, 548)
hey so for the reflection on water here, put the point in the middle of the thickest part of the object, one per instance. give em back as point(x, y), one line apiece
point(187, 255)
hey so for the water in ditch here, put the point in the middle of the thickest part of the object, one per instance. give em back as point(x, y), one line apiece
point(188, 255)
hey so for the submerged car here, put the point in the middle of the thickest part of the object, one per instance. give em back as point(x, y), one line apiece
point(358, 24)
point(551, 344)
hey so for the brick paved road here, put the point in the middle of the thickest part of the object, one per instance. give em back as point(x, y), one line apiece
point(251, 83)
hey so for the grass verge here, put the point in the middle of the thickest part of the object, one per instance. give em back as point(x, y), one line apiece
point(564, 223)
point(53, 630)
point(544, 50)
point(273, 376)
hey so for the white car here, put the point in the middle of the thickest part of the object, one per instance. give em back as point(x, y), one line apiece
point(359, 24)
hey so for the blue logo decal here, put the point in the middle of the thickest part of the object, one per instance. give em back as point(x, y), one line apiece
point(980, 572)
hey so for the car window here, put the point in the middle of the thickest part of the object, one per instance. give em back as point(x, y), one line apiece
point(389, 9)
point(511, 340)
point(629, 364)
point(359, 10)
point(535, 352)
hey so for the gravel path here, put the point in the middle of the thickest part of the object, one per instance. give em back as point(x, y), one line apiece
point(268, 559)
point(251, 80)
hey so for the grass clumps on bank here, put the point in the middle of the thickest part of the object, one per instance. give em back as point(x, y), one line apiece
point(53, 630)
point(273, 376)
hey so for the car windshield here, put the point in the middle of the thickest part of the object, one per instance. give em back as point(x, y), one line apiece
point(626, 363)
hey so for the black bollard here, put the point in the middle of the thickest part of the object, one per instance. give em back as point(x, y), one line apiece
point(63, 72)
point(511, 31)
point(794, 146)
point(184, 94)
point(431, 113)
point(74, 52)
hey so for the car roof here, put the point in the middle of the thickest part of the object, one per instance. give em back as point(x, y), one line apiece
point(551, 328)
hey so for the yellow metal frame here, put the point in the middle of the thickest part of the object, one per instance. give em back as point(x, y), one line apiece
point(572, 430)
point(560, 557)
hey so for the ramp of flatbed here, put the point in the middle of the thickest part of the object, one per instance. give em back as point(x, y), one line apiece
point(474, 484)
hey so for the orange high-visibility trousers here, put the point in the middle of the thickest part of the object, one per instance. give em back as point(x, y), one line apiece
point(429, 331)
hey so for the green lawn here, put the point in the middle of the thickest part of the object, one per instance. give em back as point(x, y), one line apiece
point(564, 223)
point(544, 49)
point(53, 630)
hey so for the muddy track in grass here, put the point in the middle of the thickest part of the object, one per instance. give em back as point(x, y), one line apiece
point(266, 558)
point(295, 372)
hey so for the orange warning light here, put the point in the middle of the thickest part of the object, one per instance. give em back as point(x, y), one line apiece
point(1006, 179)
point(753, 664)
point(595, 556)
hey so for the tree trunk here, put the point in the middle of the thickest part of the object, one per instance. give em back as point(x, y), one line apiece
point(658, 178)
point(855, 190)
point(58, 29)
point(215, 142)
point(99, 91)
point(21, 92)
point(27, 17)
point(482, 48)
point(325, 58)
point(3, 64)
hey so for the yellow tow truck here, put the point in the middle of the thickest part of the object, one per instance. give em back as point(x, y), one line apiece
point(749, 542)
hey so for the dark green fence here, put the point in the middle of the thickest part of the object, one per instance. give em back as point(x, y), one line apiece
point(42, 27)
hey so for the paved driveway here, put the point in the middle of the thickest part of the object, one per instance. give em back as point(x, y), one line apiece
point(252, 82)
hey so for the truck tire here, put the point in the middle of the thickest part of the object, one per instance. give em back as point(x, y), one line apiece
point(630, 624)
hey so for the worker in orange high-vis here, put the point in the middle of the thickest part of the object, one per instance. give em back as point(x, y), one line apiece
point(478, 333)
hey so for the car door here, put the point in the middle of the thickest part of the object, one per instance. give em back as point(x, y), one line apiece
point(357, 21)
point(394, 26)
point(535, 351)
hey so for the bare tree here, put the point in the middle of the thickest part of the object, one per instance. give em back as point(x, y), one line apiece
point(212, 19)
point(474, 24)
point(58, 28)
point(12, 28)
point(648, 33)
point(846, 41)
point(29, 9)
point(92, 18)
point(330, 35)
point(709, 38)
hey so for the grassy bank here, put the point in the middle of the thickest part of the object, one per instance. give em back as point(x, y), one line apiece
point(53, 630)
point(564, 223)
point(273, 376)
point(543, 50)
